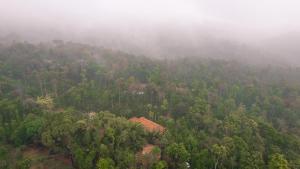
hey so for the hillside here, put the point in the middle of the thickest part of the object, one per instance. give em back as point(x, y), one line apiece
point(72, 101)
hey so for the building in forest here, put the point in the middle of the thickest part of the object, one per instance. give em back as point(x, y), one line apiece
point(148, 125)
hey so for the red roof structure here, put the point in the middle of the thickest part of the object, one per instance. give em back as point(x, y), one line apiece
point(148, 155)
point(147, 149)
point(148, 124)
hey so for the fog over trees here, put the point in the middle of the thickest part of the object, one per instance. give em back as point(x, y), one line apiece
point(149, 84)
point(251, 31)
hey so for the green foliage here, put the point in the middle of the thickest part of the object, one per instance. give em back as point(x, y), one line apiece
point(200, 106)
point(219, 154)
point(3, 157)
point(178, 154)
point(160, 165)
point(277, 161)
point(24, 164)
point(124, 159)
point(105, 163)
point(45, 102)
point(218, 114)
point(29, 130)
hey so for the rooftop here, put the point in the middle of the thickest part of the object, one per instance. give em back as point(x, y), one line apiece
point(148, 124)
point(147, 149)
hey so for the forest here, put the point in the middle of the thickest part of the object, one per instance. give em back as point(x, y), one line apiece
point(66, 105)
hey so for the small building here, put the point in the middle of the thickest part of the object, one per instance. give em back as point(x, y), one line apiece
point(148, 124)
point(148, 156)
point(150, 153)
point(137, 88)
point(152, 150)
point(147, 149)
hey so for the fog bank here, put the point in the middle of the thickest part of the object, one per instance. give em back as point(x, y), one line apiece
point(161, 28)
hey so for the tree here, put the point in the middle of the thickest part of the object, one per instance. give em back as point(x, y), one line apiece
point(179, 156)
point(277, 161)
point(45, 102)
point(3, 158)
point(29, 130)
point(105, 163)
point(202, 160)
point(219, 153)
point(124, 159)
point(165, 106)
point(199, 106)
point(252, 160)
point(160, 165)
point(24, 164)
point(58, 129)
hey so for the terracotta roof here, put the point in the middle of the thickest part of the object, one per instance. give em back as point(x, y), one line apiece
point(147, 149)
point(148, 124)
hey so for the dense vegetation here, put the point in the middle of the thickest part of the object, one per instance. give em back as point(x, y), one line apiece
point(219, 114)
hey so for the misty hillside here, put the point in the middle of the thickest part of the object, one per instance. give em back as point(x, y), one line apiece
point(139, 84)
point(176, 43)
point(67, 105)
point(285, 46)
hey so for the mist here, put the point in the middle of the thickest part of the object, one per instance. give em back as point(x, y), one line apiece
point(248, 30)
point(150, 84)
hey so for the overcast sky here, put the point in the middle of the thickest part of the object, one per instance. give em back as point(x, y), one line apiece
point(257, 14)
point(143, 24)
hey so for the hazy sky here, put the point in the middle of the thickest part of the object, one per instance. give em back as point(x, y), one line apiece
point(267, 15)
point(159, 27)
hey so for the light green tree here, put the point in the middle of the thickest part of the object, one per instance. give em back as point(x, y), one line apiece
point(45, 102)
point(219, 153)
point(277, 161)
point(105, 163)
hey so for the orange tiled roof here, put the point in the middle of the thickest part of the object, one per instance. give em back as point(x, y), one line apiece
point(147, 149)
point(148, 124)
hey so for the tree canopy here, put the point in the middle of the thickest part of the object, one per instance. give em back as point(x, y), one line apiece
point(75, 100)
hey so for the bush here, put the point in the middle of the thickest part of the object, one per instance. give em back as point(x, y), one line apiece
point(24, 164)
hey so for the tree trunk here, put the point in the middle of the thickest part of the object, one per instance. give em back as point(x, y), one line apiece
point(119, 96)
point(216, 164)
